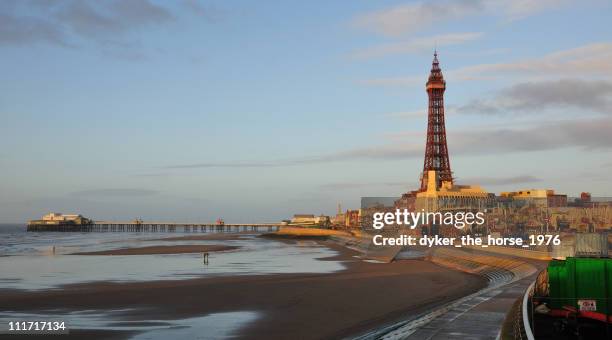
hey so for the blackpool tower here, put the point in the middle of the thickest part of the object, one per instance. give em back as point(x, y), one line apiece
point(436, 150)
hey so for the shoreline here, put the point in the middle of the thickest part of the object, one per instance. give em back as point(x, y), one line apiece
point(356, 299)
point(162, 250)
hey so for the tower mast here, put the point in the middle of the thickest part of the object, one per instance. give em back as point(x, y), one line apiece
point(436, 149)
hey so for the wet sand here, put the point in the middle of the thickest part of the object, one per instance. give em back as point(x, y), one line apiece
point(209, 237)
point(304, 306)
point(156, 250)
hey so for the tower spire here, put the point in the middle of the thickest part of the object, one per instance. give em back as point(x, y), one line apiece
point(435, 64)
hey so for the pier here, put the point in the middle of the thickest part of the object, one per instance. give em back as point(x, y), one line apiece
point(106, 226)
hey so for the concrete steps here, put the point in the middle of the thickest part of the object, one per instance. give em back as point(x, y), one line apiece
point(498, 270)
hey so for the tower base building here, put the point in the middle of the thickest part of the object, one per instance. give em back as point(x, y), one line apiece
point(452, 197)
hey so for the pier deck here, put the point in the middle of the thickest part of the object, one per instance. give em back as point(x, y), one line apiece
point(106, 226)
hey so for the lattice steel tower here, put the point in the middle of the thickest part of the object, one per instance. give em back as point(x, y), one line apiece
point(436, 150)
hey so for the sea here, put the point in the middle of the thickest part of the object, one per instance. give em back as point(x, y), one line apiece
point(36, 261)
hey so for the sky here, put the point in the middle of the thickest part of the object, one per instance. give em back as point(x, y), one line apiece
point(257, 110)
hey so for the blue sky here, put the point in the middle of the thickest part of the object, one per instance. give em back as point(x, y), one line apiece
point(190, 110)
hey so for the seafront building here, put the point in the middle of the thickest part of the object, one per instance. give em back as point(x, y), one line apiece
point(348, 219)
point(310, 220)
point(451, 197)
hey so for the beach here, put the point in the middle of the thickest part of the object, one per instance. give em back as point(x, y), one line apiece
point(344, 303)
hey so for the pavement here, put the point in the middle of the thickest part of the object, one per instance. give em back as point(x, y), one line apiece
point(480, 317)
point(477, 316)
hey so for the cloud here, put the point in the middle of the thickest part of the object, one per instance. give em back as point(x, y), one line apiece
point(480, 52)
point(198, 8)
point(124, 192)
point(518, 9)
point(358, 185)
point(152, 174)
point(235, 164)
point(535, 97)
point(364, 153)
point(588, 135)
point(98, 20)
point(413, 17)
point(449, 109)
point(588, 60)
point(111, 25)
point(344, 186)
point(408, 114)
point(495, 181)
point(409, 18)
point(393, 81)
point(355, 154)
point(416, 45)
point(25, 30)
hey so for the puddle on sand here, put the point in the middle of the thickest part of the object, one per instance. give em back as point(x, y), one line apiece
point(212, 326)
point(410, 254)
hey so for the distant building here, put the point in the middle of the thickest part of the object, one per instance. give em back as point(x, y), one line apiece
point(585, 196)
point(339, 220)
point(556, 200)
point(322, 220)
point(303, 219)
point(544, 198)
point(62, 219)
point(586, 201)
point(407, 201)
point(348, 219)
point(352, 219)
point(310, 219)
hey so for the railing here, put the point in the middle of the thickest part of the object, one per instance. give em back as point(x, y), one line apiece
point(153, 227)
point(525, 327)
